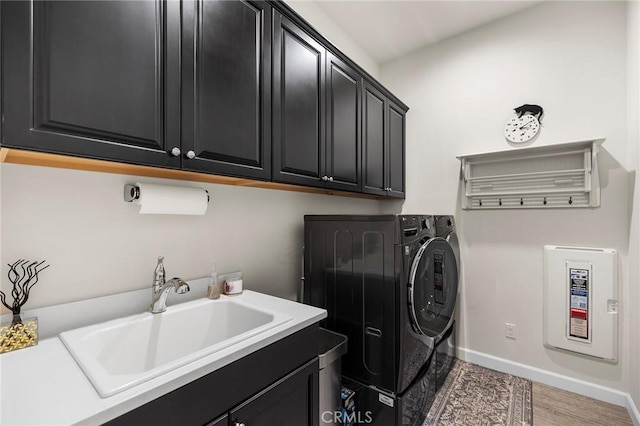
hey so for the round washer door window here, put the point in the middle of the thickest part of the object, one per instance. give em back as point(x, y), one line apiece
point(433, 287)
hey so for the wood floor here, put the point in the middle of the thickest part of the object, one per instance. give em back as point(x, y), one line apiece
point(556, 407)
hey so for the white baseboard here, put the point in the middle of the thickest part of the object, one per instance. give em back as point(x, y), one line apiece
point(581, 387)
point(633, 411)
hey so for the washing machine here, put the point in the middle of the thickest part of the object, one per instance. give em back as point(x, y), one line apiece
point(390, 283)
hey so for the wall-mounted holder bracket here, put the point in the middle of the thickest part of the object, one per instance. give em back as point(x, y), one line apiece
point(561, 175)
point(132, 193)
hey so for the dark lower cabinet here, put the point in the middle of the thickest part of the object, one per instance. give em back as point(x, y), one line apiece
point(226, 88)
point(292, 401)
point(93, 78)
point(276, 385)
point(384, 144)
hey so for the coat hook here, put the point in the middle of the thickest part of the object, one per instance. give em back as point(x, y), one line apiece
point(480, 203)
point(521, 202)
point(570, 200)
point(499, 201)
point(544, 201)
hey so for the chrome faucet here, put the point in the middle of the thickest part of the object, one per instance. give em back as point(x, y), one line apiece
point(161, 288)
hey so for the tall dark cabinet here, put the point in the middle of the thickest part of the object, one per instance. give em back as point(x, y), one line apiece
point(97, 79)
point(226, 90)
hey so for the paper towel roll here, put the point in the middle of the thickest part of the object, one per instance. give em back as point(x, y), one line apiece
point(163, 199)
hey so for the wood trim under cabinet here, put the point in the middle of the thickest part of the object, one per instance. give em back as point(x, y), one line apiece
point(31, 158)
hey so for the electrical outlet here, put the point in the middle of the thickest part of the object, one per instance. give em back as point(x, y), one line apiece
point(510, 331)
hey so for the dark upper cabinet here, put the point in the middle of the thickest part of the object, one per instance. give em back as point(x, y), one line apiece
point(383, 144)
point(316, 112)
point(298, 105)
point(226, 88)
point(374, 165)
point(343, 137)
point(98, 78)
point(396, 157)
point(238, 88)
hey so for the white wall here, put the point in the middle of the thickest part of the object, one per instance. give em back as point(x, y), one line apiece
point(569, 57)
point(97, 245)
point(322, 22)
point(633, 114)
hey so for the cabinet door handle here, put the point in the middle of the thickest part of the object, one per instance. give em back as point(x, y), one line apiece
point(239, 424)
point(175, 151)
point(330, 178)
point(191, 155)
point(325, 178)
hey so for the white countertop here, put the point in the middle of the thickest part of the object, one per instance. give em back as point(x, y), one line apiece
point(43, 385)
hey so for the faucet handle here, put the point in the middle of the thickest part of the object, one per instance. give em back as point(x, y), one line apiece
point(159, 273)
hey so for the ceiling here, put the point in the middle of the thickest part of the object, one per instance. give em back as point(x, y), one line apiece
point(387, 29)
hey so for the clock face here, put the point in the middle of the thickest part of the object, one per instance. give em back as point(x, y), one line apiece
point(522, 129)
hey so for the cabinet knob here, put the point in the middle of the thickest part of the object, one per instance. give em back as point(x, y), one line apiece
point(325, 178)
point(239, 424)
point(330, 178)
point(175, 151)
point(191, 155)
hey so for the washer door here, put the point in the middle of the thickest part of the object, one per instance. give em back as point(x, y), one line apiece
point(433, 287)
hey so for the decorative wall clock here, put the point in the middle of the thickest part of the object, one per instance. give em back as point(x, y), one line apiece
point(525, 125)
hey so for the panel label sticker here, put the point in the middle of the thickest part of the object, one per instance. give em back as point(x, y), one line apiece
point(579, 303)
point(387, 400)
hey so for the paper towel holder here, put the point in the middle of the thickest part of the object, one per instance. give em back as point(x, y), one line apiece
point(132, 193)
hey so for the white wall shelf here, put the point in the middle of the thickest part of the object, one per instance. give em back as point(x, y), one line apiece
point(560, 175)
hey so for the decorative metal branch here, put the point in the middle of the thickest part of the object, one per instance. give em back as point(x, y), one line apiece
point(23, 274)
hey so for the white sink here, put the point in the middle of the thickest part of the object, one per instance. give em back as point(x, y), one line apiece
point(119, 354)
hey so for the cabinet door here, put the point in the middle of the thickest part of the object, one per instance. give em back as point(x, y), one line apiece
point(292, 401)
point(93, 78)
point(298, 105)
point(374, 167)
point(343, 158)
point(227, 88)
point(396, 157)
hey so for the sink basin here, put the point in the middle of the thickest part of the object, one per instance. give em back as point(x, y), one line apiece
point(119, 354)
